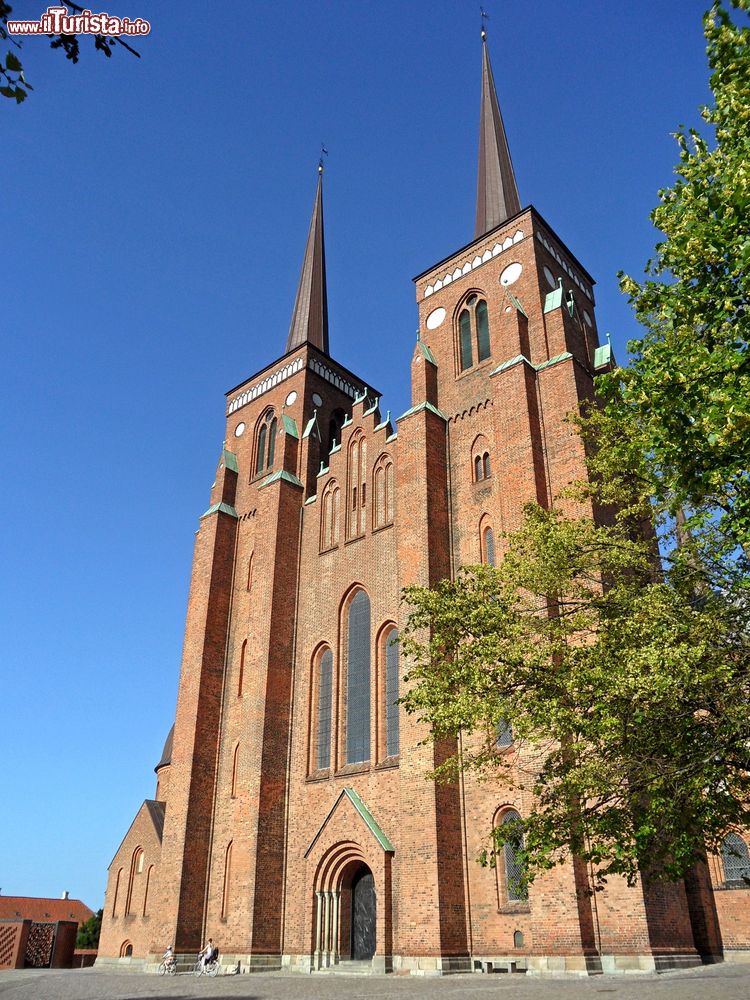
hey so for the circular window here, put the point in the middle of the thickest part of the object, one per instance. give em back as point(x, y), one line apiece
point(550, 278)
point(511, 274)
point(435, 318)
point(318, 400)
point(239, 430)
point(291, 398)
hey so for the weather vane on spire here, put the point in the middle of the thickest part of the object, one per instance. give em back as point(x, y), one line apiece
point(323, 152)
point(485, 17)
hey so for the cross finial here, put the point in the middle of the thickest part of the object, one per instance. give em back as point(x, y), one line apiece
point(484, 16)
point(323, 152)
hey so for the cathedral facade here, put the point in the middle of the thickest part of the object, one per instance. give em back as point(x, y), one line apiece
point(292, 820)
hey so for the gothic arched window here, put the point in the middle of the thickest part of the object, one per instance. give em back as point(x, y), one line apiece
point(358, 680)
point(488, 546)
point(227, 881)
point(325, 688)
point(391, 693)
point(512, 886)
point(736, 860)
point(266, 443)
point(503, 735)
point(473, 328)
point(383, 492)
point(357, 485)
point(329, 524)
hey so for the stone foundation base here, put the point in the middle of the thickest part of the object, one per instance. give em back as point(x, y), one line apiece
point(105, 964)
point(737, 955)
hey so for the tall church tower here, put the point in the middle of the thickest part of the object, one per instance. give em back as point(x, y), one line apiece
point(293, 820)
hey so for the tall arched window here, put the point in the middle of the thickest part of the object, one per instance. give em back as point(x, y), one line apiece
point(503, 735)
point(514, 889)
point(481, 457)
point(464, 334)
point(330, 515)
point(473, 328)
point(358, 680)
point(736, 860)
point(250, 572)
point(325, 688)
point(227, 881)
point(383, 492)
point(477, 468)
point(488, 546)
point(357, 474)
point(266, 443)
point(391, 693)
point(486, 465)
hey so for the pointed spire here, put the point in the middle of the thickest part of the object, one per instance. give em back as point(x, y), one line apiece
point(497, 194)
point(310, 315)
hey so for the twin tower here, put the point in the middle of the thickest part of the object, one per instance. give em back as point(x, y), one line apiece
point(293, 821)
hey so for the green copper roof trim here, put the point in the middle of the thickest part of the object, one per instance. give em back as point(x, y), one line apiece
point(335, 448)
point(224, 508)
point(366, 815)
point(424, 406)
point(287, 477)
point(519, 359)
point(602, 356)
point(311, 499)
point(565, 356)
point(427, 352)
point(290, 426)
point(347, 419)
point(310, 424)
point(386, 422)
point(553, 300)
point(229, 460)
point(324, 470)
point(517, 304)
point(393, 437)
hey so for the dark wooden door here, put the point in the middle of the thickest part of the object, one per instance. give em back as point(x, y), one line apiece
point(363, 915)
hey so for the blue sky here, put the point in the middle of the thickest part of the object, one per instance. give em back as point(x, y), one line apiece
point(154, 214)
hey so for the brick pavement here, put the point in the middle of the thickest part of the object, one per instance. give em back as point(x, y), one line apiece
point(719, 982)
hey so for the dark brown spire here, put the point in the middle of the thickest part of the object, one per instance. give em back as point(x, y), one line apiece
point(497, 194)
point(310, 317)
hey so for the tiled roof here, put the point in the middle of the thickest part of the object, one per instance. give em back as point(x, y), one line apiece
point(156, 811)
point(43, 910)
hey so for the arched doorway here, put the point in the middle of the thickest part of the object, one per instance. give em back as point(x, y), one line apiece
point(364, 915)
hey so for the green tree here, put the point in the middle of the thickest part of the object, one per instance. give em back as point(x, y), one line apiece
point(628, 695)
point(88, 932)
point(684, 400)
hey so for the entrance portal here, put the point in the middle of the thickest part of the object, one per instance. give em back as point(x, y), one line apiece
point(363, 915)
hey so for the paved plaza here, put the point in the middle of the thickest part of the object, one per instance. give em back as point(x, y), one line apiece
point(718, 982)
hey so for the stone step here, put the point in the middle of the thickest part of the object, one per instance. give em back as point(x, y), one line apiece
point(349, 967)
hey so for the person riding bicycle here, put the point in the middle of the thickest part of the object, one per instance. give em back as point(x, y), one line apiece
point(207, 955)
point(168, 956)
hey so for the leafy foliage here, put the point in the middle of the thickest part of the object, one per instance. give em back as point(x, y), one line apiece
point(627, 693)
point(88, 932)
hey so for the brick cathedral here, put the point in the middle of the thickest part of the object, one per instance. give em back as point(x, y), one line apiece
point(292, 820)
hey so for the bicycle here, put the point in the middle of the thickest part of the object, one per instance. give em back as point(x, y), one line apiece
point(211, 968)
point(168, 968)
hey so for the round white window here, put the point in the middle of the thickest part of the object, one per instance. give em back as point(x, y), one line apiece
point(239, 430)
point(318, 400)
point(511, 274)
point(291, 398)
point(550, 278)
point(435, 318)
